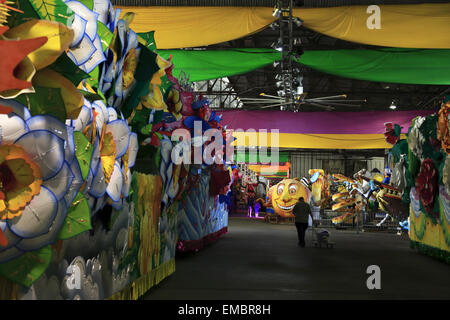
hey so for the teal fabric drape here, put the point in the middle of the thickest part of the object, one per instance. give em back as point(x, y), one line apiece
point(203, 65)
point(408, 66)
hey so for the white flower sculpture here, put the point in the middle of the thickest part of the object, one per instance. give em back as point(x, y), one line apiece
point(114, 153)
point(39, 177)
point(86, 49)
point(415, 138)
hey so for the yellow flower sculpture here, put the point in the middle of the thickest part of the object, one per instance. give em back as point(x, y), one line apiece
point(174, 103)
point(20, 181)
point(443, 133)
point(129, 67)
point(107, 154)
point(154, 100)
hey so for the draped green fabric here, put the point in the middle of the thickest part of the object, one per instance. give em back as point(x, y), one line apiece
point(203, 65)
point(409, 66)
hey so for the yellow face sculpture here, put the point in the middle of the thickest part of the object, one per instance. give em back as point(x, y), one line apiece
point(285, 195)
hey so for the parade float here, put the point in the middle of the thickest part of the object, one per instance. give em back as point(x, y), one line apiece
point(420, 169)
point(89, 197)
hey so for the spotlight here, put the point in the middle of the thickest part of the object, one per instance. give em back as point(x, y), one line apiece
point(299, 90)
point(279, 83)
point(276, 13)
point(276, 64)
point(393, 106)
point(278, 46)
point(298, 21)
point(281, 93)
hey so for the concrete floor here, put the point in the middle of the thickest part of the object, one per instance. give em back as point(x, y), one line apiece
point(256, 260)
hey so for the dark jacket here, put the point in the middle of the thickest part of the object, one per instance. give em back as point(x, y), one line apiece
point(301, 211)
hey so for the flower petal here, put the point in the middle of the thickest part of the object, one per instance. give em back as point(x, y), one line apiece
point(82, 52)
point(60, 183)
point(114, 188)
point(79, 28)
point(101, 106)
point(87, 14)
point(121, 134)
point(37, 217)
point(18, 108)
point(12, 127)
point(97, 58)
point(52, 124)
point(77, 182)
point(98, 186)
point(39, 242)
point(44, 148)
point(100, 117)
point(84, 118)
point(112, 114)
point(133, 148)
point(102, 8)
point(95, 159)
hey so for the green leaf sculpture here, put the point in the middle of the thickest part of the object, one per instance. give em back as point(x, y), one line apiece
point(66, 67)
point(54, 10)
point(45, 100)
point(83, 152)
point(26, 269)
point(148, 40)
point(105, 35)
point(78, 218)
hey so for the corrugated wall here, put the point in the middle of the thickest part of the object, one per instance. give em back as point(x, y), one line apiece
point(195, 3)
point(301, 162)
point(263, 3)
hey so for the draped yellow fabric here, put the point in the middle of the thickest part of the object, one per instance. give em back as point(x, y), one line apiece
point(402, 26)
point(313, 141)
point(181, 27)
point(406, 26)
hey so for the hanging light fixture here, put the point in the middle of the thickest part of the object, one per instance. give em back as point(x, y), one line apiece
point(393, 105)
point(277, 13)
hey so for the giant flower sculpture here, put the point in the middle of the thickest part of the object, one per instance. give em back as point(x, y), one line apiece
point(86, 48)
point(114, 152)
point(116, 78)
point(39, 177)
point(427, 185)
point(416, 139)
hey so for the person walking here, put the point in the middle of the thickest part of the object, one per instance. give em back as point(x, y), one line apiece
point(301, 211)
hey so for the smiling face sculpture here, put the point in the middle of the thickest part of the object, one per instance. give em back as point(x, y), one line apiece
point(285, 195)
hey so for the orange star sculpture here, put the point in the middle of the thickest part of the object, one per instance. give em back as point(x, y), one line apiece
point(12, 52)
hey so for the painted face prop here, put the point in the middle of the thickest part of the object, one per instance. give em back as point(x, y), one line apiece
point(285, 195)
